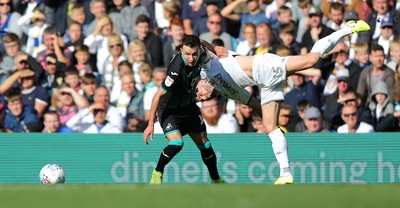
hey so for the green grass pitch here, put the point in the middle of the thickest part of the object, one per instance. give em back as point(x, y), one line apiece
point(199, 195)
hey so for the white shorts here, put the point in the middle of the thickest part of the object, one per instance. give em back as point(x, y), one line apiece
point(269, 72)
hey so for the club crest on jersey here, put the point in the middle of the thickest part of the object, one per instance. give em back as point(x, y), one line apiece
point(168, 81)
point(169, 127)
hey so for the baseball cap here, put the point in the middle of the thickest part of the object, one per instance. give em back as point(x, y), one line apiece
point(342, 74)
point(387, 20)
point(314, 10)
point(350, 15)
point(312, 112)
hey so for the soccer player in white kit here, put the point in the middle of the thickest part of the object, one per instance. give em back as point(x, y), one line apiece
point(230, 75)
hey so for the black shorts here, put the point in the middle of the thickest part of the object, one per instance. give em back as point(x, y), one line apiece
point(185, 120)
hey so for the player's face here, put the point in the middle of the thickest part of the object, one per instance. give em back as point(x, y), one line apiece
point(203, 90)
point(191, 55)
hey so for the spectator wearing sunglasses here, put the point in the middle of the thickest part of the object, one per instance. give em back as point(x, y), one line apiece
point(352, 123)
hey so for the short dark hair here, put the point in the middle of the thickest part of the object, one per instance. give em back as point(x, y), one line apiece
point(13, 95)
point(142, 19)
point(50, 30)
point(375, 47)
point(191, 41)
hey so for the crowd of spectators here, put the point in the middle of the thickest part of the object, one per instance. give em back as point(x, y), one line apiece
point(93, 66)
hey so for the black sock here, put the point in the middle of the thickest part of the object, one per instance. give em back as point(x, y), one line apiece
point(166, 156)
point(210, 160)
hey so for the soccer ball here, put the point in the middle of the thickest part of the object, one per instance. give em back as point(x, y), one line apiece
point(52, 174)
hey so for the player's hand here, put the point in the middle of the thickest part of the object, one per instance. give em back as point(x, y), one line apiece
point(221, 51)
point(149, 131)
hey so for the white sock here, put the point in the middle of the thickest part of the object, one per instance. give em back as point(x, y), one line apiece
point(326, 44)
point(280, 147)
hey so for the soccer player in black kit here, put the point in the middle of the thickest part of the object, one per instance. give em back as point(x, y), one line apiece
point(177, 110)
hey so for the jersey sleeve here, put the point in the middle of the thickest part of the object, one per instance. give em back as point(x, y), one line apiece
point(173, 74)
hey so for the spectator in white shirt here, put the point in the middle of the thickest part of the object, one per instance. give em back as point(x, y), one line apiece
point(98, 125)
point(352, 124)
point(216, 121)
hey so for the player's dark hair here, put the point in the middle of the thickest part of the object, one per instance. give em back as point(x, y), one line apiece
point(191, 41)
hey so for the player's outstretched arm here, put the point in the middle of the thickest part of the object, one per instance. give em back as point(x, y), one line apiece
point(149, 131)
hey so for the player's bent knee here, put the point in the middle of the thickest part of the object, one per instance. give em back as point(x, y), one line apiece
point(176, 142)
point(206, 145)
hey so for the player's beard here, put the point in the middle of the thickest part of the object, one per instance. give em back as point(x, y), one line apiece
point(211, 120)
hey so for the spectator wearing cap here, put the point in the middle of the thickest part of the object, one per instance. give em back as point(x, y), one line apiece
point(387, 33)
point(19, 117)
point(380, 8)
point(373, 73)
point(348, 5)
point(331, 106)
point(313, 121)
point(254, 15)
point(382, 109)
point(35, 42)
point(352, 122)
point(316, 31)
point(354, 38)
point(212, 7)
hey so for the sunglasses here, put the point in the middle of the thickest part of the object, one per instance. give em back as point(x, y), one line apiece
point(387, 27)
point(50, 63)
point(5, 4)
point(347, 115)
point(116, 45)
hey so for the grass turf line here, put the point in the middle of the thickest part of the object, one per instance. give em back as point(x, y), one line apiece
point(199, 195)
